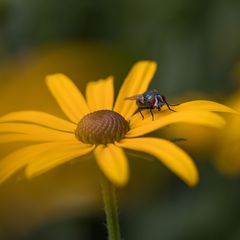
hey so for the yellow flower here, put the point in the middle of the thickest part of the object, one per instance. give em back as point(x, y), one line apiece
point(99, 126)
point(227, 157)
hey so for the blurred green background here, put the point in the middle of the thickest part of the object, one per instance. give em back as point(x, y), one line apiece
point(197, 47)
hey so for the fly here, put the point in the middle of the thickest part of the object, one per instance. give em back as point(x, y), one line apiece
point(151, 99)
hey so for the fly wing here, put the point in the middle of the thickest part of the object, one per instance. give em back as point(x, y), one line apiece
point(135, 97)
point(155, 90)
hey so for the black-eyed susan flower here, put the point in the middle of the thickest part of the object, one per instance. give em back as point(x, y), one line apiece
point(99, 126)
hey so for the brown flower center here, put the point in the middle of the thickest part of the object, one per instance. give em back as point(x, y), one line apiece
point(101, 127)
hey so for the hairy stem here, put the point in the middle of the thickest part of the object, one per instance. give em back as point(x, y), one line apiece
point(111, 210)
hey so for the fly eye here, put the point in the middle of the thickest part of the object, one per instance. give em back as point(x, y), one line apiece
point(164, 98)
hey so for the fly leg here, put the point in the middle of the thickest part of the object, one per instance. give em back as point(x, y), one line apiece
point(170, 107)
point(151, 113)
point(139, 110)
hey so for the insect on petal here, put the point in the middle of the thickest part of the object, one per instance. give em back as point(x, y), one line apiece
point(136, 82)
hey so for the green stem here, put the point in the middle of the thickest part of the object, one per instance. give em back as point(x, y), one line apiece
point(111, 210)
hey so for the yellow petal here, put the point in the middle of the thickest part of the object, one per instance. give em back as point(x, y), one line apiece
point(56, 155)
point(204, 105)
point(136, 82)
point(113, 162)
point(100, 94)
point(68, 96)
point(168, 153)
point(20, 158)
point(40, 118)
point(18, 137)
point(38, 133)
point(139, 127)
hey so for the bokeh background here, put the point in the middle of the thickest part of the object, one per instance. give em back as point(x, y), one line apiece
point(197, 47)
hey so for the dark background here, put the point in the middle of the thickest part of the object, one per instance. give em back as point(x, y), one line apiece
point(197, 47)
